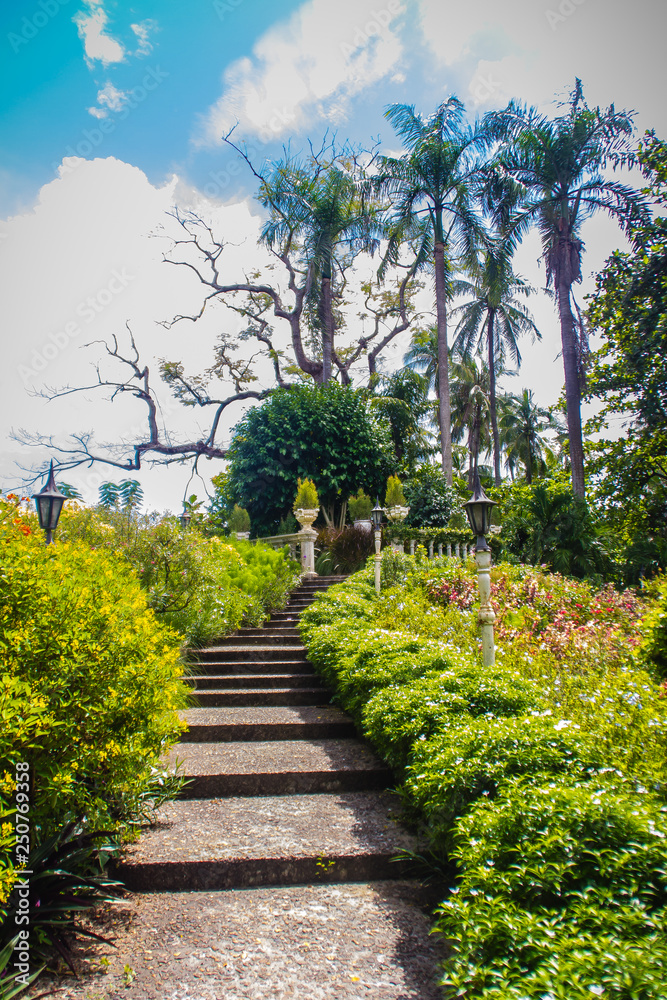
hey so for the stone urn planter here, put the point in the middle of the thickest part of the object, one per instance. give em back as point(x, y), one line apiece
point(397, 514)
point(306, 517)
point(364, 523)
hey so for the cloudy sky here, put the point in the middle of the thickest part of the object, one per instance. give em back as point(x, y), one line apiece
point(113, 113)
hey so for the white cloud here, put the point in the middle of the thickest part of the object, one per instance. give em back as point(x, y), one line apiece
point(310, 65)
point(110, 98)
point(92, 225)
point(98, 46)
point(142, 31)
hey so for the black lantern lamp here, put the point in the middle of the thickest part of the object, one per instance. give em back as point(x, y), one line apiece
point(376, 516)
point(185, 519)
point(478, 509)
point(49, 503)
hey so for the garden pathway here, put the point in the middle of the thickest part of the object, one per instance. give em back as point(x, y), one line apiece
point(288, 809)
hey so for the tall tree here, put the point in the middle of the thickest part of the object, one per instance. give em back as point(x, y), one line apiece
point(320, 212)
point(492, 320)
point(628, 375)
point(470, 403)
point(559, 162)
point(431, 191)
point(402, 401)
point(522, 425)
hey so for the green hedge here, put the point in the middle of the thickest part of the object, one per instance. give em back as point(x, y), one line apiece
point(525, 776)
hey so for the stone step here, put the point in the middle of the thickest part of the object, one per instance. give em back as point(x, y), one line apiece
point(218, 654)
point(250, 666)
point(262, 696)
point(294, 767)
point(221, 681)
point(234, 724)
point(262, 637)
point(270, 630)
point(232, 843)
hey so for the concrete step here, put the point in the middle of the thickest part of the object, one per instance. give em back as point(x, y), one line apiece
point(250, 666)
point(263, 637)
point(270, 632)
point(222, 681)
point(232, 843)
point(262, 696)
point(227, 654)
point(294, 767)
point(233, 724)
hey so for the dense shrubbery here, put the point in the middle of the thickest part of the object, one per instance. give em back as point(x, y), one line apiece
point(204, 587)
point(543, 779)
point(90, 687)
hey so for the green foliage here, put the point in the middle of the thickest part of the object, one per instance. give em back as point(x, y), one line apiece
point(306, 496)
point(430, 499)
point(394, 496)
point(323, 432)
point(654, 642)
point(543, 778)
point(628, 374)
point(360, 506)
point(402, 401)
point(203, 587)
point(545, 523)
point(239, 519)
point(127, 494)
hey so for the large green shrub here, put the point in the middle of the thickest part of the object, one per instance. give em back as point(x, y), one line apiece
point(92, 681)
point(323, 432)
point(432, 502)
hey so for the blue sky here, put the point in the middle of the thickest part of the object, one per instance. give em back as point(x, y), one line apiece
point(112, 112)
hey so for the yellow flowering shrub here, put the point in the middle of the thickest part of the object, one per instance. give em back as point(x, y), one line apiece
point(90, 685)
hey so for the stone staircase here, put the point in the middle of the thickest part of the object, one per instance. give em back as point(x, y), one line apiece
point(281, 792)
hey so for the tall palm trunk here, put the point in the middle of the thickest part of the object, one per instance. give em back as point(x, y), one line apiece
point(572, 388)
point(326, 320)
point(492, 400)
point(444, 402)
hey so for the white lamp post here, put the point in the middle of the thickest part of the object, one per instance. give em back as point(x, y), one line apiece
point(376, 518)
point(478, 509)
point(49, 502)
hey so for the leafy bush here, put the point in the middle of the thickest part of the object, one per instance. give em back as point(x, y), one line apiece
point(203, 587)
point(360, 506)
point(654, 641)
point(394, 497)
point(306, 496)
point(91, 685)
point(239, 519)
point(431, 500)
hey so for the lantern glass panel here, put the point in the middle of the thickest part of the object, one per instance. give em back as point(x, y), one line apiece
point(376, 517)
point(56, 507)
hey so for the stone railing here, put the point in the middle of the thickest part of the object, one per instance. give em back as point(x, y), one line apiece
point(301, 547)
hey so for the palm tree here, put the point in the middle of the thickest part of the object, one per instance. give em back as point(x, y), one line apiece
point(402, 400)
point(559, 164)
point(318, 210)
point(430, 188)
point(470, 403)
point(522, 424)
point(492, 320)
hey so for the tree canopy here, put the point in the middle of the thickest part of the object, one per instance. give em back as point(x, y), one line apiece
point(323, 432)
point(629, 372)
